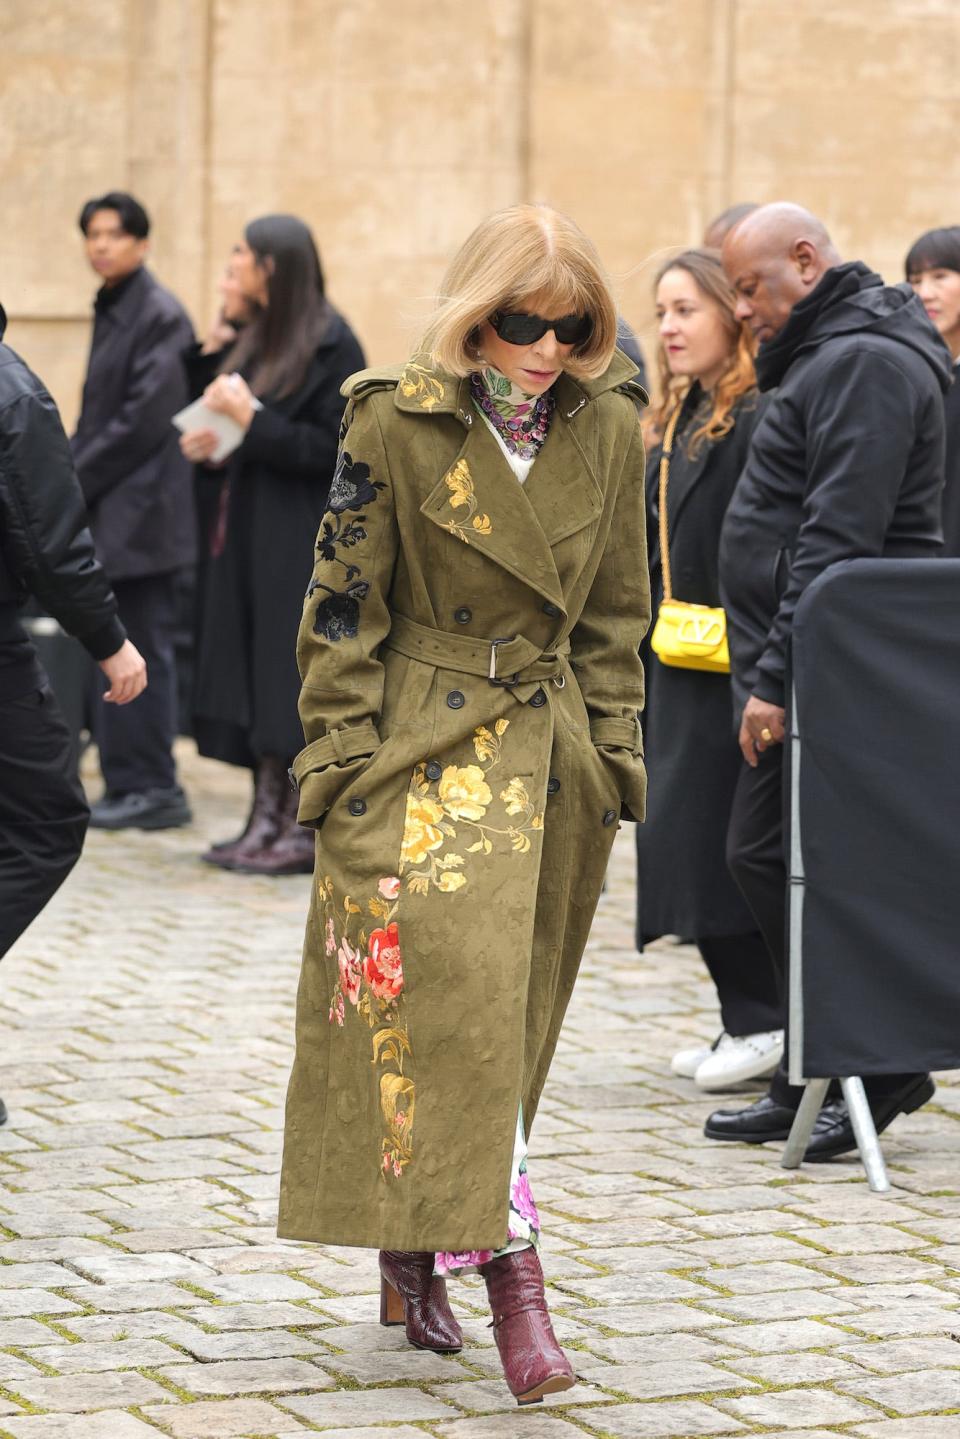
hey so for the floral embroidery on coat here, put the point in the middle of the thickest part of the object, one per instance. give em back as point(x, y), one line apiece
point(370, 981)
point(417, 383)
point(338, 616)
point(459, 482)
point(456, 807)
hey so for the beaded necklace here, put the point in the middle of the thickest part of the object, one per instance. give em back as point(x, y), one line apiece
point(521, 420)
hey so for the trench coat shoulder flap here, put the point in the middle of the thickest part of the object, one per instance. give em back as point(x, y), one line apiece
point(477, 498)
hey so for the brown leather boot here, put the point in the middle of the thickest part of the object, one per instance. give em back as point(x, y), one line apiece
point(533, 1362)
point(291, 850)
point(411, 1294)
point(263, 823)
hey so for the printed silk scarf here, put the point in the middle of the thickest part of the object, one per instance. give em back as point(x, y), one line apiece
point(521, 420)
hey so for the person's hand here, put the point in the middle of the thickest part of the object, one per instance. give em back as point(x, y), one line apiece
point(127, 672)
point(219, 336)
point(198, 445)
point(231, 395)
point(762, 725)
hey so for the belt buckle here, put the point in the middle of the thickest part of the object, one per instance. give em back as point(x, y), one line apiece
point(492, 672)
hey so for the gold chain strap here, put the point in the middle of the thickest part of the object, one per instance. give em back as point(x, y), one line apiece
point(665, 454)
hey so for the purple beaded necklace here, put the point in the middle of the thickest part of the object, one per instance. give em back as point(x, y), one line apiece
point(521, 420)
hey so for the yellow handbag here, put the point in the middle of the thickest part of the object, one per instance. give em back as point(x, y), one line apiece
point(685, 636)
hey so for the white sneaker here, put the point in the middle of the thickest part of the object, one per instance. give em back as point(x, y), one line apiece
point(686, 1062)
point(749, 1056)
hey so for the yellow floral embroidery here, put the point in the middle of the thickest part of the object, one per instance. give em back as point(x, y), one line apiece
point(464, 793)
point(370, 981)
point(463, 798)
point(416, 382)
point(420, 832)
point(459, 482)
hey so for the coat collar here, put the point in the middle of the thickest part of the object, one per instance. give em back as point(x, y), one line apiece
point(123, 304)
point(424, 389)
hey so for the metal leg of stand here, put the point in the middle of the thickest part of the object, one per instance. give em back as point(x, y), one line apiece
point(810, 1106)
point(865, 1132)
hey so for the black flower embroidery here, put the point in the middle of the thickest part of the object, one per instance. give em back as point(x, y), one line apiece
point(352, 487)
point(338, 617)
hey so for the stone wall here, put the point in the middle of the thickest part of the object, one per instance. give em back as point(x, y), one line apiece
point(393, 129)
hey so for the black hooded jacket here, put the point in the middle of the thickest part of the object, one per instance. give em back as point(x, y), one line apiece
point(847, 461)
point(45, 546)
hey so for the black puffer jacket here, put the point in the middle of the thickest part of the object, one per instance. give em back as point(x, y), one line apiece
point(847, 461)
point(45, 546)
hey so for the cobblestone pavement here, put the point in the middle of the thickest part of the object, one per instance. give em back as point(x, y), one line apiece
point(146, 1031)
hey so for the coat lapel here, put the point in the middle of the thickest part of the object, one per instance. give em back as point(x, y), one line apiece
point(480, 501)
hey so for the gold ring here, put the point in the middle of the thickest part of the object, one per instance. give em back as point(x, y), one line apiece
point(766, 735)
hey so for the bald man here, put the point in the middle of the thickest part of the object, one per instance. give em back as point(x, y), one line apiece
point(847, 462)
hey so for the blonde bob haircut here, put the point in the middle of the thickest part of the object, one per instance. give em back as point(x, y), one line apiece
point(529, 258)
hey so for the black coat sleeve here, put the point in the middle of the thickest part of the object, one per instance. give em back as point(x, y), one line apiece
point(861, 425)
point(44, 525)
point(307, 443)
point(156, 390)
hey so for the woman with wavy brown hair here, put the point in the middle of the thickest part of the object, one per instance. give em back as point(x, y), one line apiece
point(700, 432)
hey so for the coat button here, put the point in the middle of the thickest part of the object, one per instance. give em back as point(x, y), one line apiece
point(554, 611)
point(536, 700)
point(610, 816)
point(434, 770)
point(463, 616)
point(553, 785)
point(456, 700)
point(359, 806)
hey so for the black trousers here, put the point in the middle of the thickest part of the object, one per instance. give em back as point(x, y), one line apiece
point(740, 967)
point(757, 860)
point(136, 740)
point(43, 812)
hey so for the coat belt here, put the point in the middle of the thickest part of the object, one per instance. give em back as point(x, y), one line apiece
point(517, 663)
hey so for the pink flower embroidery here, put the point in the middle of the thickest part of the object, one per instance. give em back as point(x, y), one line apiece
point(389, 888)
point(522, 1201)
point(350, 971)
point(331, 941)
point(383, 968)
point(337, 1011)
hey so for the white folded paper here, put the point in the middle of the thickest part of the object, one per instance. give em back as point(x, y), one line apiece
point(199, 416)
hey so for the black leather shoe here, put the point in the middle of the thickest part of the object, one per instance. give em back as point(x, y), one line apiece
point(142, 809)
point(3, 1112)
point(833, 1132)
point(763, 1120)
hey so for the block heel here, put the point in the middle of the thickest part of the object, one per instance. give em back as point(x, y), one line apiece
point(391, 1305)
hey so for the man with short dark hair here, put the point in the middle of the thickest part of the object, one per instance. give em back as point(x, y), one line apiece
point(846, 463)
point(138, 490)
point(45, 551)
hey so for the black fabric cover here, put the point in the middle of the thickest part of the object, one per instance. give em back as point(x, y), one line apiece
point(876, 659)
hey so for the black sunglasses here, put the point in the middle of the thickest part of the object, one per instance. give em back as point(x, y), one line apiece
point(521, 329)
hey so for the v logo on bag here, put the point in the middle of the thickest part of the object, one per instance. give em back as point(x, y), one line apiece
point(701, 630)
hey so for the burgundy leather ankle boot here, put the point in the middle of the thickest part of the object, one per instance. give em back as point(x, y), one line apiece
point(263, 824)
point(291, 851)
point(411, 1294)
point(533, 1362)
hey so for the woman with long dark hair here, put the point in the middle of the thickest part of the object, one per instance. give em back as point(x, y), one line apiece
point(707, 410)
point(933, 269)
point(280, 381)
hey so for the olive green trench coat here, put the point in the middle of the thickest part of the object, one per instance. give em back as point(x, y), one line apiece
point(471, 687)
